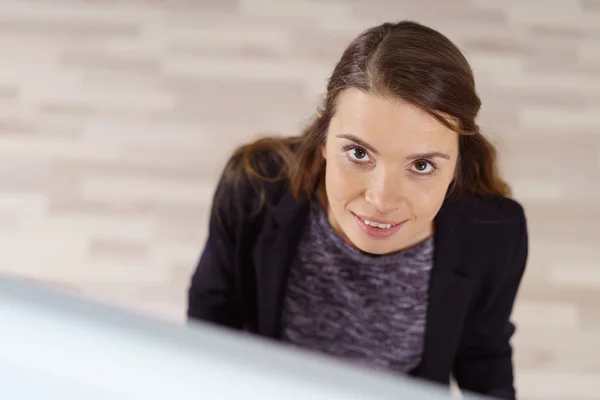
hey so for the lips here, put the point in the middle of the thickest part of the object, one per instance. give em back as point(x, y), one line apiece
point(377, 229)
point(378, 223)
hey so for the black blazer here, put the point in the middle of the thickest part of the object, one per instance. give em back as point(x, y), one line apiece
point(479, 259)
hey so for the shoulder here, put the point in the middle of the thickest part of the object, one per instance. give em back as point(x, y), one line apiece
point(497, 210)
point(494, 222)
point(496, 234)
point(488, 225)
point(249, 183)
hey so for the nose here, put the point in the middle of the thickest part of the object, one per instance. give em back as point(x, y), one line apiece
point(385, 191)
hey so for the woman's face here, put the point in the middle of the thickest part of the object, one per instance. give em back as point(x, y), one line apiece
point(388, 168)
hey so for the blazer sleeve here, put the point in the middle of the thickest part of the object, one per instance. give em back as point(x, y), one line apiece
point(484, 360)
point(212, 295)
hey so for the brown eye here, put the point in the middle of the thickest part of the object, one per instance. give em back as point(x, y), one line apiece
point(359, 153)
point(421, 165)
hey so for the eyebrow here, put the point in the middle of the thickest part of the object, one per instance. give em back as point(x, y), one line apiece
point(430, 154)
point(411, 157)
point(359, 142)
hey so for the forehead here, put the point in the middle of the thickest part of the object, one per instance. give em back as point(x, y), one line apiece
point(389, 124)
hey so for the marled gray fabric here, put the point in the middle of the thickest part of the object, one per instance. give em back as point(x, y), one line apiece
point(364, 308)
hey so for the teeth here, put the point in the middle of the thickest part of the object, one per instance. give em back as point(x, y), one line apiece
point(375, 224)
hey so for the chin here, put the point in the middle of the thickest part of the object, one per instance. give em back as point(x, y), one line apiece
point(375, 250)
point(373, 246)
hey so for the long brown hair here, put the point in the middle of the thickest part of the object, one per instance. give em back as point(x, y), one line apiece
point(406, 61)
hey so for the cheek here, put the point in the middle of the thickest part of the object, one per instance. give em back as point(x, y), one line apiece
point(341, 181)
point(426, 198)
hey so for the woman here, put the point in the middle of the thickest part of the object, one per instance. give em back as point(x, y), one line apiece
point(383, 234)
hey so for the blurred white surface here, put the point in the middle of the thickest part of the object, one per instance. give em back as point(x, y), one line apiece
point(58, 347)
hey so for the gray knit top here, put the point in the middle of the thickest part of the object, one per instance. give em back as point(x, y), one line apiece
point(356, 306)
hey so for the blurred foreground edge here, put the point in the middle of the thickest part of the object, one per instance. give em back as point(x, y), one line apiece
point(56, 346)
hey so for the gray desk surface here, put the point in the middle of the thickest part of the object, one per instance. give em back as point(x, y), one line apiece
point(59, 347)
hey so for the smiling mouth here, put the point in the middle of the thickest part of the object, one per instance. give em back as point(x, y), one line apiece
point(377, 224)
point(379, 229)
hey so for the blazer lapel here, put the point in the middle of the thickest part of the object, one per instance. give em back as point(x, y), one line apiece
point(449, 294)
point(273, 256)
